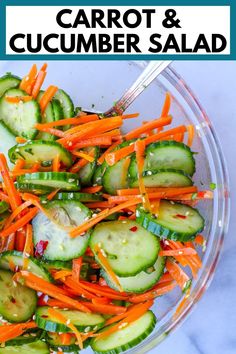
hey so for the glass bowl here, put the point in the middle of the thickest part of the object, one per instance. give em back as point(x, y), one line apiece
point(96, 85)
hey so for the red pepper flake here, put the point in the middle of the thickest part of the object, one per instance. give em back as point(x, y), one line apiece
point(134, 229)
point(40, 248)
point(44, 316)
point(181, 216)
point(42, 300)
point(13, 300)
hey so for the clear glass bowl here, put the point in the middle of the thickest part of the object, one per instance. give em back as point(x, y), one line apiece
point(97, 84)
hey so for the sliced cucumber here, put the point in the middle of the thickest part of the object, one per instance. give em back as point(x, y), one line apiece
point(33, 188)
point(40, 151)
point(59, 265)
point(57, 109)
point(66, 103)
point(164, 178)
point(128, 247)
point(63, 180)
point(17, 302)
point(61, 246)
point(142, 281)
point(98, 174)
point(34, 266)
point(4, 206)
point(80, 320)
point(178, 222)
point(20, 117)
point(24, 339)
point(47, 117)
point(8, 82)
point(55, 342)
point(127, 337)
point(7, 141)
point(81, 197)
point(116, 177)
point(38, 347)
point(86, 173)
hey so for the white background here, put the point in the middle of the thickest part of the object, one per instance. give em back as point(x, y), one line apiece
point(193, 20)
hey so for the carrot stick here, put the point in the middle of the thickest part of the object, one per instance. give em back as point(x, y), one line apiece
point(78, 290)
point(47, 97)
point(28, 81)
point(38, 83)
point(177, 273)
point(92, 190)
point(11, 331)
point(200, 240)
point(130, 116)
point(166, 106)
point(65, 338)
point(83, 155)
point(103, 291)
point(52, 131)
point(39, 284)
point(106, 265)
point(102, 157)
point(19, 223)
point(99, 205)
point(63, 319)
point(179, 137)
point(190, 130)
point(62, 274)
point(20, 140)
point(160, 122)
point(186, 251)
point(71, 121)
point(20, 163)
point(107, 309)
point(158, 290)
point(165, 278)
point(81, 163)
point(4, 197)
point(17, 99)
point(102, 215)
point(16, 212)
point(56, 163)
point(100, 140)
point(76, 268)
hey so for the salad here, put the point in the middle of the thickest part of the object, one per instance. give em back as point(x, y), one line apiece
point(95, 224)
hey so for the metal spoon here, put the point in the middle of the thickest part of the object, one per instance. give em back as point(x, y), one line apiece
point(153, 69)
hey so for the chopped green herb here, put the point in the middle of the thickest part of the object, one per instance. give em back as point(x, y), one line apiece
point(212, 186)
point(194, 196)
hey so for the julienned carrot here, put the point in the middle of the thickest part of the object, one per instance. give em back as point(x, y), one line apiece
point(14, 197)
point(177, 273)
point(102, 157)
point(99, 205)
point(16, 212)
point(20, 140)
point(64, 320)
point(102, 215)
point(19, 164)
point(77, 289)
point(160, 122)
point(39, 284)
point(76, 268)
point(194, 196)
point(166, 106)
point(17, 99)
point(103, 291)
point(106, 265)
point(185, 251)
point(83, 155)
point(71, 121)
point(200, 240)
point(47, 97)
point(4, 197)
point(28, 247)
point(19, 223)
point(92, 190)
point(100, 140)
point(56, 163)
point(190, 130)
point(130, 116)
point(139, 148)
point(66, 338)
point(62, 274)
point(158, 290)
point(51, 195)
point(117, 155)
point(28, 81)
point(81, 163)
point(179, 137)
point(52, 131)
point(166, 277)
point(38, 83)
point(11, 331)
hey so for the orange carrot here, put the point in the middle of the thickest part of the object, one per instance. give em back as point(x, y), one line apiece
point(17, 212)
point(76, 268)
point(99, 140)
point(20, 140)
point(28, 81)
point(51, 195)
point(56, 163)
point(62, 274)
point(65, 338)
point(64, 320)
point(102, 215)
point(17, 99)
point(160, 122)
point(11, 331)
point(83, 155)
point(38, 83)
point(77, 289)
point(20, 239)
point(185, 251)
point(19, 164)
point(99, 205)
point(200, 240)
point(102, 157)
point(81, 163)
point(158, 290)
point(92, 190)
point(179, 137)
point(166, 106)
point(39, 284)
point(130, 116)
point(71, 121)
point(177, 273)
point(52, 131)
point(19, 223)
point(106, 265)
point(4, 197)
point(47, 97)
point(139, 148)
point(104, 291)
point(190, 130)
point(155, 207)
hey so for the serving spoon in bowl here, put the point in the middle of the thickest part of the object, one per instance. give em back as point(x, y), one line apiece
point(152, 70)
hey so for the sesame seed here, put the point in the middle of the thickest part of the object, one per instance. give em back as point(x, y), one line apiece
point(68, 322)
point(70, 180)
point(123, 325)
point(87, 329)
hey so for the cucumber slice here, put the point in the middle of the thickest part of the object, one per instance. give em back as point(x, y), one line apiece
point(54, 340)
point(178, 222)
point(17, 302)
point(116, 177)
point(98, 174)
point(33, 188)
point(62, 180)
point(40, 151)
point(7, 141)
point(4, 206)
point(80, 320)
point(129, 247)
point(24, 339)
point(8, 82)
point(38, 347)
point(127, 337)
point(86, 172)
point(20, 117)
point(16, 258)
point(66, 104)
point(59, 265)
point(57, 109)
point(81, 197)
point(60, 245)
point(141, 282)
point(164, 178)
point(47, 117)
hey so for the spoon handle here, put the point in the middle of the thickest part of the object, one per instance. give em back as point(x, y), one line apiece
point(152, 70)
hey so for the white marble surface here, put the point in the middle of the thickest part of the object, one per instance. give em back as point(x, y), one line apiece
point(211, 329)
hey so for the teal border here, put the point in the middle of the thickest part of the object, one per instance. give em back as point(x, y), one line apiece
point(4, 3)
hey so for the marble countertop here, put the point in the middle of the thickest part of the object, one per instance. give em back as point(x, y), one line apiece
point(211, 328)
